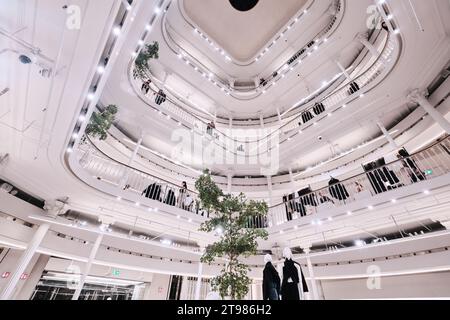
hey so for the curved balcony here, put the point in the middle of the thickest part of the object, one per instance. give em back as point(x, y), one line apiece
point(169, 34)
point(137, 186)
point(420, 167)
point(294, 125)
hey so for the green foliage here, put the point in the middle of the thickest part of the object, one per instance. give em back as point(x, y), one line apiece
point(231, 214)
point(100, 123)
point(150, 51)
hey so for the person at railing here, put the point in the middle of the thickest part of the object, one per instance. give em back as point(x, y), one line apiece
point(358, 187)
point(410, 166)
point(337, 190)
point(146, 86)
point(324, 198)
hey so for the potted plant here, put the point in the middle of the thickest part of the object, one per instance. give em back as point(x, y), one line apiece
point(230, 220)
point(150, 51)
point(100, 123)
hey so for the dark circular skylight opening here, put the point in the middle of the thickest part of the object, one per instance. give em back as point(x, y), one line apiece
point(244, 5)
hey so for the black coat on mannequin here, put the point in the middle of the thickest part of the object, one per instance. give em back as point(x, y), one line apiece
point(271, 283)
point(291, 279)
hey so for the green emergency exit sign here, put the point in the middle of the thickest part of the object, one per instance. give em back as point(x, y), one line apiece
point(116, 272)
point(429, 172)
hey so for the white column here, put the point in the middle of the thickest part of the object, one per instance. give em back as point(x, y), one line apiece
point(198, 285)
point(135, 151)
point(311, 275)
point(229, 182)
point(88, 266)
point(24, 260)
point(269, 186)
point(341, 67)
point(261, 120)
point(230, 123)
point(387, 135)
point(279, 115)
point(419, 97)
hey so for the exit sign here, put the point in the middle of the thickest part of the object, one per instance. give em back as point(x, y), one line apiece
point(428, 172)
point(116, 272)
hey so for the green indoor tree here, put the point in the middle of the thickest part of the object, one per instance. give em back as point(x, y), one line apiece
point(150, 51)
point(230, 218)
point(100, 123)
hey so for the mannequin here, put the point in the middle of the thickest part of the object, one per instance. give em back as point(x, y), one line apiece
point(271, 280)
point(291, 279)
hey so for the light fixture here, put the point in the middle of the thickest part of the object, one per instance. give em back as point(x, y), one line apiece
point(81, 118)
point(116, 31)
point(330, 218)
point(119, 198)
point(75, 135)
point(137, 204)
point(141, 42)
point(90, 96)
point(148, 27)
point(349, 213)
point(370, 207)
point(100, 69)
point(157, 10)
point(69, 150)
point(426, 192)
point(394, 200)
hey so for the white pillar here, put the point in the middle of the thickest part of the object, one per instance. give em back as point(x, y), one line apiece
point(363, 39)
point(387, 135)
point(419, 97)
point(311, 275)
point(341, 67)
point(135, 151)
point(88, 266)
point(279, 115)
point(24, 260)
point(261, 120)
point(269, 186)
point(198, 285)
point(229, 182)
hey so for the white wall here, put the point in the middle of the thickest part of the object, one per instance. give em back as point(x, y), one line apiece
point(427, 285)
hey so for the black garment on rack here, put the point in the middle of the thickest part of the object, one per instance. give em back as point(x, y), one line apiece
point(307, 197)
point(170, 198)
point(307, 116)
point(319, 108)
point(271, 282)
point(288, 206)
point(153, 191)
point(160, 97)
point(337, 190)
point(354, 87)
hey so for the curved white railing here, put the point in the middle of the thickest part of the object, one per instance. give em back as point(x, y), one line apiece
point(331, 103)
point(427, 164)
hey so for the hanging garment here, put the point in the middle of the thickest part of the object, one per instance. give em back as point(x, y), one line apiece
point(307, 116)
point(153, 191)
point(160, 97)
point(271, 283)
point(319, 108)
point(337, 190)
point(304, 284)
point(307, 197)
point(354, 87)
point(289, 286)
point(170, 198)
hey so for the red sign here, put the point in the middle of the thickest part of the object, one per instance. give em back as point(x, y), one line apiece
point(24, 276)
point(5, 275)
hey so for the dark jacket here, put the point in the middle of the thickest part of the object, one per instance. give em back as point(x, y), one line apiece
point(289, 291)
point(271, 280)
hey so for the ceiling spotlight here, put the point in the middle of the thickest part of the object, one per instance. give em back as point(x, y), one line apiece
point(75, 135)
point(81, 118)
point(100, 69)
point(349, 213)
point(157, 10)
point(426, 192)
point(90, 96)
point(137, 204)
point(148, 27)
point(370, 207)
point(359, 243)
point(69, 150)
point(394, 200)
point(116, 31)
